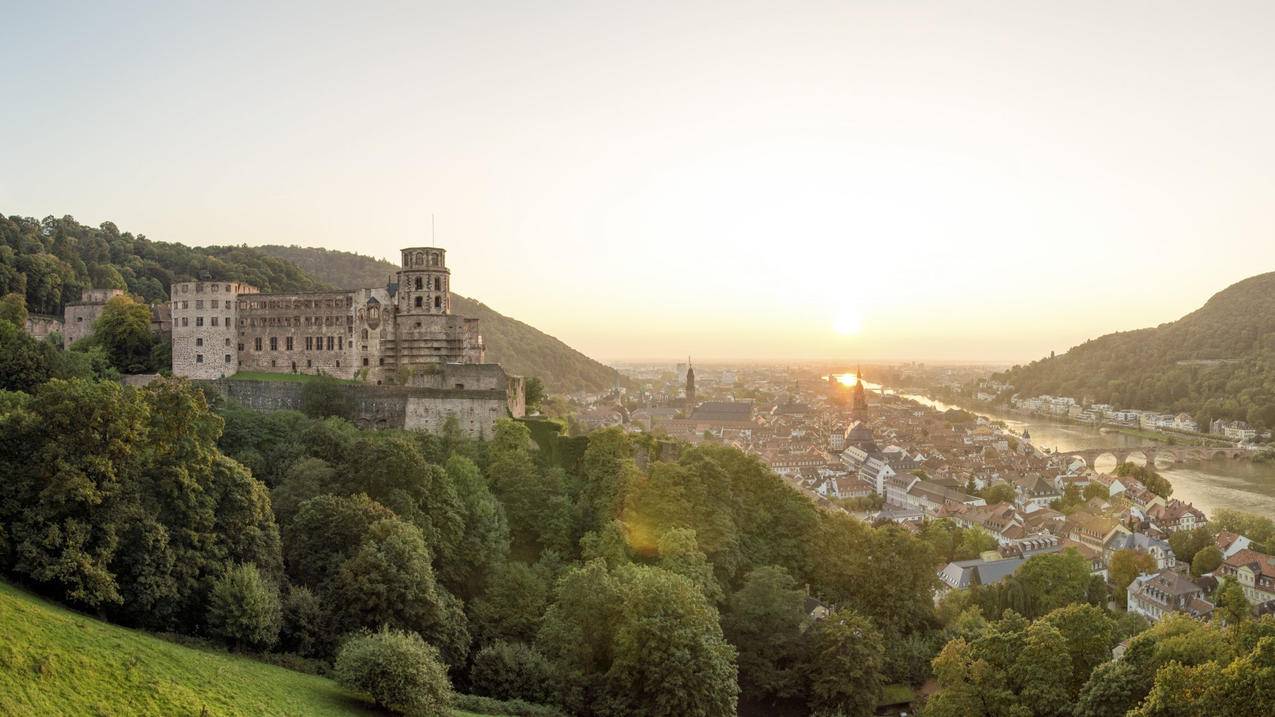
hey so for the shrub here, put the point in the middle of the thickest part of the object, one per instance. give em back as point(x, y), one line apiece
point(304, 624)
point(399, 670)
point(512, 670)
point(514, 708)
point(244, 608)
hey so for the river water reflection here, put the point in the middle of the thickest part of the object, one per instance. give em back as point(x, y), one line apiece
point(1210, 485)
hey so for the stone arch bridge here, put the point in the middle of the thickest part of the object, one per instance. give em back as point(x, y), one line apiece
point(1152, 455)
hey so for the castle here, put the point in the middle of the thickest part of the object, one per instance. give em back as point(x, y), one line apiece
point(386, 335)
point(402, 337)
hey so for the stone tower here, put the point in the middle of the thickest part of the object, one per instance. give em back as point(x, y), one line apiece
point(424, 282)
point(690, 387)
point(859, 407)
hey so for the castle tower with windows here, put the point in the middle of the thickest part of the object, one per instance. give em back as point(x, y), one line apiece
point(423, 282)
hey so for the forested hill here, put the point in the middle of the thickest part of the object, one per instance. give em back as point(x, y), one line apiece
point(520, 348)
point(49, 261)
point(1216, 362)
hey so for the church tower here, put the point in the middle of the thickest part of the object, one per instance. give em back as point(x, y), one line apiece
point(690, 387)
point(424, 282)
point(859, 407)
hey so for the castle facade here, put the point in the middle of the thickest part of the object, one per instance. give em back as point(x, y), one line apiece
point(400, 334)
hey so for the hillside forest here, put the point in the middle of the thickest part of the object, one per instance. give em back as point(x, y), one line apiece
point(1216, 362)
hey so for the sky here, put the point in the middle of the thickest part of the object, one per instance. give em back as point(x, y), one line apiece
point(942, 181)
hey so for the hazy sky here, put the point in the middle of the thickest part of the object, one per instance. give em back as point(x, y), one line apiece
point(961, 180)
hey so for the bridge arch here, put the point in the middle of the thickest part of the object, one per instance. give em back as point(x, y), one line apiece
point(1106, 461)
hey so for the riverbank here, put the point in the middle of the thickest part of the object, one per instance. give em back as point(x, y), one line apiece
point(1245, 485)
point(1172, 438)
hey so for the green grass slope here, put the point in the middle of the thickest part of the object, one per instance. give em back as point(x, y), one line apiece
point(1216, 362)
point(519, 347)
point(57, 662)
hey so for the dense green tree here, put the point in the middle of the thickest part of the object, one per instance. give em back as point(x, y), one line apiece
point(607, 475)
point(123, 330)
point(512, 605)
point(304, 629)
point(765, 620)
point(640, 639)
point(609, 543)
point(13, 308)
point(536, 502)
point(884, 573)
point(1009, 667)
point(844, 663)
point(24, 362)
point(389, 467)
point(1186, 543)
point(65, 490)
point(1258, 528)
point(1232, 606)
point(119, 497)
point(512, 671)
point(244, 608)
point(1126, 565)
point(214, 512)
point(305, 479)
point(1244, 687)
point(1113, 688)
point(1047, 582)
point(399, 670)
point(389, 580)
point(533, 393)
point(1089, 634)
point(951, 542)
point(484, 544)
point(679, 553)
point(327, 530)
point(1034, 674)
point(1206, 560)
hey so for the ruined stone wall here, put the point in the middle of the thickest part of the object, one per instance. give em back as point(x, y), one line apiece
point(41, 326)
point(373, 406)
point(78, 318)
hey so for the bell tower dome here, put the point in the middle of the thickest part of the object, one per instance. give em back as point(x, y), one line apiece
point(424, 282)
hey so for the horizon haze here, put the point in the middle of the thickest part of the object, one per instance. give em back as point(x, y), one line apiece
point(815, 181)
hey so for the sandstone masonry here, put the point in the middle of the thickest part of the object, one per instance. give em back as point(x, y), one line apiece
point(402, 335)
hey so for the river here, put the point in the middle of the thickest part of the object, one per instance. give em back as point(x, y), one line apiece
point(1210, 485)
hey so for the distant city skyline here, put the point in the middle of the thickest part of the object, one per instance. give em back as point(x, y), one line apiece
point(943, 182)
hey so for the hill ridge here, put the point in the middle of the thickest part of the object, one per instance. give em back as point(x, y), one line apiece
point(1217, 361)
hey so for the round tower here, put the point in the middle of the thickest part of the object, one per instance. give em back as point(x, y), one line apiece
point(424, 282)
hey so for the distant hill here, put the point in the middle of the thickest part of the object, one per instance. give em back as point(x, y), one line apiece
point(1216, 362)
point(519, 347)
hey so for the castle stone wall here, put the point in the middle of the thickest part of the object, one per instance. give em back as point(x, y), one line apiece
point(373, 406)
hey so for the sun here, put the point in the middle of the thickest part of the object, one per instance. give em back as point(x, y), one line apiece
point(847, 322)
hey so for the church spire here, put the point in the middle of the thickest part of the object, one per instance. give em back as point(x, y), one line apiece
point(859, 405)
point(690, 387)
